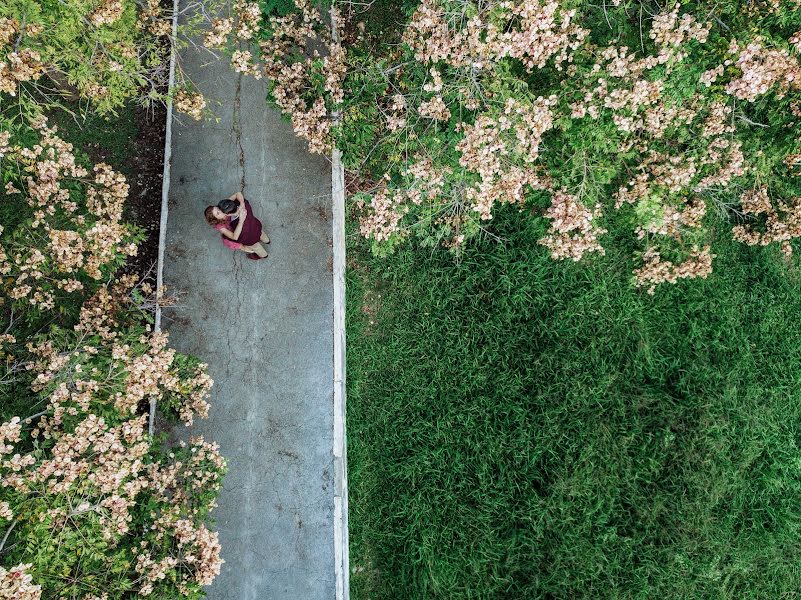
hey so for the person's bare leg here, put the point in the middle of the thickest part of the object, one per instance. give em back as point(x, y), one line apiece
point(264, 237)
point(256, 249)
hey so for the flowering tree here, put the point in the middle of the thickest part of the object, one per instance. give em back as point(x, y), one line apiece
point(83, 484)
point(103, 51)
point(108, 52)
point(670, 124)
point(74, 233)
point(90, 505)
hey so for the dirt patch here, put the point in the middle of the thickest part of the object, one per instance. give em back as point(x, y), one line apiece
point(322, 212)
point(176, 251)
point(289, 454)
point(371, 305)
point(144, 198)
point(356, 182)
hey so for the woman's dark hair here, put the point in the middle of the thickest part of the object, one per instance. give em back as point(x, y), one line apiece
point(228, 206)
point(210, 218)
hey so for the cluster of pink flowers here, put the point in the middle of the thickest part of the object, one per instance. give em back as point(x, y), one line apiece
point(242, 62)
point(498, 159)
point(532, 31)
point(667, 188)
point(574, 228)
point(762, 69)
point(758, 8)
point(503, 149)
point(195, 558)
point(154, 19)
point(17, 584)
point(397, 113)
point(194, 554)
point(72, 241)
point(249, 19)
point(382, 219)
point(782, 222)
point(149, 375)
point(793, 162)
point(189, 103)
point(670, 33)
point(217, 36)
point(178, 481)
point(622, 86)
point(290, 57)
point(795, 40)
point(291, 79)
point(107, 12)
point(243, 26)
point(8, 30)
point(435, 108)
point(99, 312)
point(17, 65)
point(655, 270)
point(381, 216)
point(335, 68)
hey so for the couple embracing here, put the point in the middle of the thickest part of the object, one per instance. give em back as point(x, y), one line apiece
point(239, 228)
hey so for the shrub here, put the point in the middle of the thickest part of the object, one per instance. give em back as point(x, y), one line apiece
point(663, 124)
point(108, 52)
point(67, 227)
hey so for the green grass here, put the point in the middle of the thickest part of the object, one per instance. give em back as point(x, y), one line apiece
point(100, 139)
point(522, 428)
point(384, 20)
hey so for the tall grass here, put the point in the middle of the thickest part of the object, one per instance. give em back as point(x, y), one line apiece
point(522, 428)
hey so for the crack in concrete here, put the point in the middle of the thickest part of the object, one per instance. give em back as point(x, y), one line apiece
point(237, 125)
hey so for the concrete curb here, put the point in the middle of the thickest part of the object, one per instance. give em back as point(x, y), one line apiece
point(165, 191)
point(341, 554)
point(341, 551)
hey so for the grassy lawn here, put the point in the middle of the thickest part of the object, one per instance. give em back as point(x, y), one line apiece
point(522, 428)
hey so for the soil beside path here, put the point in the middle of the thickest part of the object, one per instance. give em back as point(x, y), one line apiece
point(266, 330)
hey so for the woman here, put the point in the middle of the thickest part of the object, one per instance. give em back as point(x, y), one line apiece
point(238, 227)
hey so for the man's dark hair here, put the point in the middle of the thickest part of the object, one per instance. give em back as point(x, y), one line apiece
point(228, 206)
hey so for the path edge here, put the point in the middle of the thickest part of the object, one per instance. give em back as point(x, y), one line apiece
point(341, 554)
point(341, 550)
point(165, 191)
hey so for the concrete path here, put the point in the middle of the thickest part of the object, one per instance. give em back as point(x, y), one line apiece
point(265, 329)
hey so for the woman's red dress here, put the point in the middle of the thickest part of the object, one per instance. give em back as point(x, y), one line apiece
point(251, 229)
